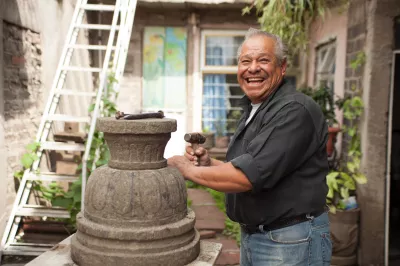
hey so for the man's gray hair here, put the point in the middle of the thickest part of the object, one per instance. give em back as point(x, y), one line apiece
point(280, 47)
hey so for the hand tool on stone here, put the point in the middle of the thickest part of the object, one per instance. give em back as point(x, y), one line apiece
point(122, 115)
point(195, 139)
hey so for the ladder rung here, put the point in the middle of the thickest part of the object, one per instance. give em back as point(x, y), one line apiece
point(76, 93)
point(52, 177)
point(96, 27)
point(68, 118)
point(62, 146)
point(98, 7)
point(86, 69)
point(28, 249)
point(40, 211)
point(90, 47)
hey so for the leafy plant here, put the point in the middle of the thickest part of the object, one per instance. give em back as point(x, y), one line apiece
point(342, 181)
point(28, 158)
point(324, 98)
point(288, 19)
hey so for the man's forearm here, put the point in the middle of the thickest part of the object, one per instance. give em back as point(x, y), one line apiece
point(220, 176)
point(215, 162)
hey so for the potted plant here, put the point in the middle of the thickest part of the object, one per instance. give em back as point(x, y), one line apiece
point(342, 182)
point(324, 98)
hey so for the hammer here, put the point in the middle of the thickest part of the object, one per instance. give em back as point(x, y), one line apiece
point(195, 139)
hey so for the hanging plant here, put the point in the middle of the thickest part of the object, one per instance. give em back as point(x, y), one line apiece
point(288, 19)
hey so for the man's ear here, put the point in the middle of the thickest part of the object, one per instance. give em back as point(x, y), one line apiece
point(284, 66)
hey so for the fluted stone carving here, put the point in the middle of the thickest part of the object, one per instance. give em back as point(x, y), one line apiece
point(135, 207)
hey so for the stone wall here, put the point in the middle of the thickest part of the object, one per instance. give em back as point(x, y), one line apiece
point(370, 28)
point(22, 95)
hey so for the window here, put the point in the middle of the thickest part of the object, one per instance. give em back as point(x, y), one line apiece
point(325, 65)
point(164, 68)
point(221, 92)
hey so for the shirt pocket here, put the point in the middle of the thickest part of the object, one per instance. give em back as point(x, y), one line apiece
point(295, 234)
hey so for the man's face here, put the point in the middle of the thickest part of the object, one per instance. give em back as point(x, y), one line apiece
point(259, 72)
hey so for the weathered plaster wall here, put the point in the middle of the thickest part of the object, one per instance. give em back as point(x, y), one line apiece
point(332, 27)
point(31, 37)
point(370, 28)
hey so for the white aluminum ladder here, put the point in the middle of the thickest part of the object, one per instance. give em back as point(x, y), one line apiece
point(113, 62)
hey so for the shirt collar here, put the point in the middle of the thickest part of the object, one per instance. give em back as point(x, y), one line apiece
point(283, 88)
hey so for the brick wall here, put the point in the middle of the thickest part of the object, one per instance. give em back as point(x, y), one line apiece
point(22, 95)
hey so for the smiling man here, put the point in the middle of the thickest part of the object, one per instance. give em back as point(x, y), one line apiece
point(275, 174)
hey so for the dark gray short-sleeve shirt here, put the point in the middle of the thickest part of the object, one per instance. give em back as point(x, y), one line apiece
point(282, 151)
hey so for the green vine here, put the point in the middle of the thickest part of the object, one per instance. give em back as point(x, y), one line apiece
point(288, 19)
point(343, 180)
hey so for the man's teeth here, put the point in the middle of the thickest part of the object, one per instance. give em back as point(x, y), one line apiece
point(255, 80)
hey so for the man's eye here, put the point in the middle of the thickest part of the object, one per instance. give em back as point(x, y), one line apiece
point(264, 60)
point(245, 61)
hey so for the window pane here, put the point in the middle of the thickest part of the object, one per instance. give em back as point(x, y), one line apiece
point(222, 50)
point(325, 67)
point(221, 96)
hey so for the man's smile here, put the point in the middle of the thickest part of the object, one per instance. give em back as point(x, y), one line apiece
point(254, 81)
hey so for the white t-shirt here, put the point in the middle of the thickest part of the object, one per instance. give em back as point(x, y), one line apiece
point(253, 111)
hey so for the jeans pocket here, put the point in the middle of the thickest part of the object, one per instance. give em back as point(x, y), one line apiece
point(295, 234)
point(326, 246)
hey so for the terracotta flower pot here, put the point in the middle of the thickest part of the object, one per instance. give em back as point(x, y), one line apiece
point(332, 134)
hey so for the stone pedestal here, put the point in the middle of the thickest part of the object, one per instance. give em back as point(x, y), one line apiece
point(135, 207)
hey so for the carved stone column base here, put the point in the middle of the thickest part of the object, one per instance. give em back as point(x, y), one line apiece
point(109, 253)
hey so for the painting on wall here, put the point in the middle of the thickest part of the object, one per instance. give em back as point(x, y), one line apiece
point(164, 68)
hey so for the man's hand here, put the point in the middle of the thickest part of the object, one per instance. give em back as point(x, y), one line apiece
point(182, 163)
point(199, 157)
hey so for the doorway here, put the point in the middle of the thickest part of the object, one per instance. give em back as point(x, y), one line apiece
point(394, 187)
point(393, 176)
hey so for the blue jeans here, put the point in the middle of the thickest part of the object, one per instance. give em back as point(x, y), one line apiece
point(304, 244)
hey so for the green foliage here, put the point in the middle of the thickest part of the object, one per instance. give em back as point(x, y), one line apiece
point(324, 98)
point(342, 182)
point(28, 158)
point(359, 61)
point(288, 19)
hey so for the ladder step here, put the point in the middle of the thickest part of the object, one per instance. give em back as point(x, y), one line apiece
point(52, 177)
point(96, 27)
point(27, 249)
point(41, 211)
point(75, 93)
point(94, 7)
point(62, 146)
point(68, 118)
point(86, 69)
point(90, 47)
